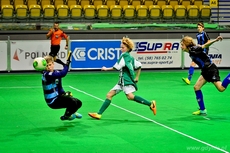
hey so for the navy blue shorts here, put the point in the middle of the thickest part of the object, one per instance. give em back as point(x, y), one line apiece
point(211, 73)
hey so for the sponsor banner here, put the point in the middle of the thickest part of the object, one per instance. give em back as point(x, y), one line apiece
point(155, 53)
point(3, 55)
point(93, 54)
point(151, 53)
point(24, 52)
point(218, 52)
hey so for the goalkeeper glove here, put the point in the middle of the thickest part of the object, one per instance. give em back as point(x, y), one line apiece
point(68, 94)
point(68, 61)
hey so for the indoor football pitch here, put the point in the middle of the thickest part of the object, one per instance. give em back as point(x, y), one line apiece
point(28, 125)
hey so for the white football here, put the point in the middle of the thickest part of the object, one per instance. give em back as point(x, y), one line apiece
point(39, 64)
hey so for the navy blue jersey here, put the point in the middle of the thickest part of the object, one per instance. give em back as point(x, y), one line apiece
point(202, 38)
point(52, 84)
point(199, 57)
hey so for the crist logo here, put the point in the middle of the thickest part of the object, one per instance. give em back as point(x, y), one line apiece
point(148, 47)
point(80, 53)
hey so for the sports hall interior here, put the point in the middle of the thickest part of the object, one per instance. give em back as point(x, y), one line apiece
point(158, 11)
point(29, 126)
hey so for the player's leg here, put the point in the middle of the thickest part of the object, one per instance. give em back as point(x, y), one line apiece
point(226, 81)
point(54, 49)
point(115, 90)
point(75, 104)
point(107, 101)
point(129, 90)
point(190, 73)
point(71, 104)
point(199, 96)
point(221, 86)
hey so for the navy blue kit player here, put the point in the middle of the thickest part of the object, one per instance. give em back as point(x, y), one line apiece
point(209, 71)
point(55, 96)
point(202, 38)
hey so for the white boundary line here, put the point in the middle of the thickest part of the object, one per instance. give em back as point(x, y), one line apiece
point(212, 146)
point(20, 87)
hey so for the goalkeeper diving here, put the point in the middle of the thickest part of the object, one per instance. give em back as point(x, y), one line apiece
point(55, 96)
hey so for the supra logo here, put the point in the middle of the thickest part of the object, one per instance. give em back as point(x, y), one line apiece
point(150, 47)
point(79, 54)
point(15, 57)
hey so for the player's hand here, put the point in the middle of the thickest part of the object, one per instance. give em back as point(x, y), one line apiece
point(103, 68)
point(68, 61)
point(68, 94)
point(136, 80)
point(219, 38)
point(51, 31)
point(66, 47)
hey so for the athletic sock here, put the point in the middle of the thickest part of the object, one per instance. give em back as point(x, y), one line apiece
point(104, 106)
point(226, 81)
point(190, 72)
point(199, 97)
point(141, 100)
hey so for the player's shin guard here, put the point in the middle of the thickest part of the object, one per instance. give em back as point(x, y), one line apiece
point(141, 100)
point(199, 97)
point(104, 106)
point(226, 81)
point(190, 72)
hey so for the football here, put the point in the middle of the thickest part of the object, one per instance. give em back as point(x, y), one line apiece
point(39, 64)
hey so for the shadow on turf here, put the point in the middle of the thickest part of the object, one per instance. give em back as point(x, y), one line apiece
point(200, 118)
point(120, 121)
point(68, 126)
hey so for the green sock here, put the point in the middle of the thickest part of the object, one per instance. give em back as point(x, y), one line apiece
point(104, 106)
point(141, 100)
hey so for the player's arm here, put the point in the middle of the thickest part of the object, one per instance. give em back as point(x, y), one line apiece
point(208, 41)
point(212, 42)
point(197, 39)
point(64, 35)
point(117, 66)
point(138, 72)
point(62, 73)
point(107, 69)
point(137, 66)
point(57, 74)
point(206, 38)
point(67, 41)
point(48, 35)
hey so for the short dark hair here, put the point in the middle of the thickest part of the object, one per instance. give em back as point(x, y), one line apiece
point(200, 24)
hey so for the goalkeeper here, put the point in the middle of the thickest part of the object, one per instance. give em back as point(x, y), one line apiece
point(55, 96)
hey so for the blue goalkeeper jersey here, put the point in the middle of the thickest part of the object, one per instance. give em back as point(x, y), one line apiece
point(52, 84)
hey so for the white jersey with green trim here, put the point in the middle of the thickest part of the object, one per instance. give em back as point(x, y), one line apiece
point(127, 66)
